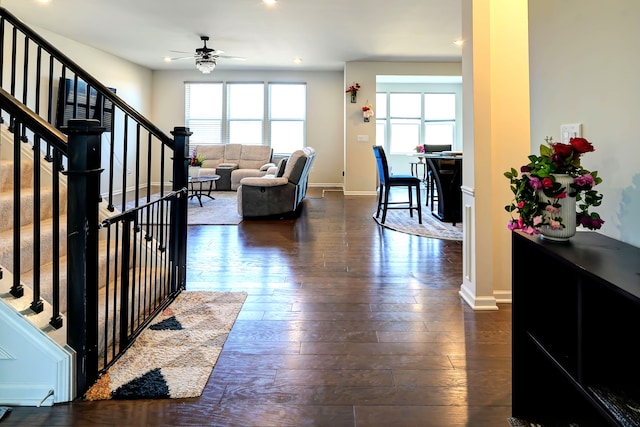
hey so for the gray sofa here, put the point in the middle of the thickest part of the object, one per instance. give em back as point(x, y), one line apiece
point(279, 193)
point(234, 162)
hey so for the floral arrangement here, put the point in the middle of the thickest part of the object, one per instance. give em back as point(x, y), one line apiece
point(419, 148)
point(367, 111)
point(195, 159)
point(537, 177)
point(353, 89)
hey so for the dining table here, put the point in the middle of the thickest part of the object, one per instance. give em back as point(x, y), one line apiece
point(446, 170)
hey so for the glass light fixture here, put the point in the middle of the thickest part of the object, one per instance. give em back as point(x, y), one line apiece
point(206, 64)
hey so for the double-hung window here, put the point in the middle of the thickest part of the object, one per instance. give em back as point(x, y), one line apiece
point(203, 112)
point(439, 118)
point(246, 113)
point(287, 116)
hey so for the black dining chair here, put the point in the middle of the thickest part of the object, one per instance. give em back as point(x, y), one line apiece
point(429, 183)
point(387, 181)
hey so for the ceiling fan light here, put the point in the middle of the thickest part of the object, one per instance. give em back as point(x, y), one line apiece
point(206, 65)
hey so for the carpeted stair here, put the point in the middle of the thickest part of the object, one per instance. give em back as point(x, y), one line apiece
point(27, 241)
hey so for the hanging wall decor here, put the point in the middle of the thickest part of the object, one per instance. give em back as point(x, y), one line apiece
point(367, 111)
point(353, 91)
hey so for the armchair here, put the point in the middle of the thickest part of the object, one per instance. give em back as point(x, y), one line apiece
point(277, 194)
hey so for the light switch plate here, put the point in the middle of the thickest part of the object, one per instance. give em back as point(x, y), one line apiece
point(573, 130)
point(363, 138)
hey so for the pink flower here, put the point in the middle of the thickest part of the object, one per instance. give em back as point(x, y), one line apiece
point(552, 209)
point(530, 230)
point(588, 222)
point(537, 220)
point(584, 180)
point(555, 225)
point(535, 183)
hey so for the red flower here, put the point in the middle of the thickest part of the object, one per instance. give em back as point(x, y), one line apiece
point(581, 145)
point(354, 88)
point(564, 150)
point(547, 183)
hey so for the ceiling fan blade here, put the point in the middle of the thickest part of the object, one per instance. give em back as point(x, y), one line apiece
point(179, 58)
point(238, 58)
point(180, 51)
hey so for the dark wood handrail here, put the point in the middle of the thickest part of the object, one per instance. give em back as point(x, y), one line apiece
point(36, 123)
point(88, 78)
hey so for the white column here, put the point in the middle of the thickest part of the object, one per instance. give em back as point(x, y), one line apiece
point(496, 119)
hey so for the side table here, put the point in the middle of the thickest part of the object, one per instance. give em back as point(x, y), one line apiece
point(197, 189)
point(224, 173)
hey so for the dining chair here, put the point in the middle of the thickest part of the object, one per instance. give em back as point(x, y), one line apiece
point(387, 180)
point(429, 183)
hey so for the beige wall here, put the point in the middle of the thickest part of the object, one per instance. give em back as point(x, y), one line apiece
point(584, 69)
point(133, 82)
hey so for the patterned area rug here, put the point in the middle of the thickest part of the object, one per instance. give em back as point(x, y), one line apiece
point(173, 358)
point(516, 422)
point(223, 210)
point(399, 220)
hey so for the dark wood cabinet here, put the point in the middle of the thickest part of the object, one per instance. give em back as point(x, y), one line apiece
point(576, 330)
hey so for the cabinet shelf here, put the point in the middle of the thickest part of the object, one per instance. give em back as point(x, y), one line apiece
point(576, 310)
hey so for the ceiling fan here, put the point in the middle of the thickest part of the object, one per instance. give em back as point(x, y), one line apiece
point(206, 57)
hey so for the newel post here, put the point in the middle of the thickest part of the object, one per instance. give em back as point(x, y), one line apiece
point(82, 247)
point(179, 212)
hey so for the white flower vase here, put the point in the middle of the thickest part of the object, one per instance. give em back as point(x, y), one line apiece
point(567, 213)
point(194, 171)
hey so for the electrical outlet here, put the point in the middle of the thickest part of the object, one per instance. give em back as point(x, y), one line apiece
point(573, 130)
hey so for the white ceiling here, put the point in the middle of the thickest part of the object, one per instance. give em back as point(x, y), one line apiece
point(325, 34)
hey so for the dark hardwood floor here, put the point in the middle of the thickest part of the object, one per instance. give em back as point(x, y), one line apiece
point(345, 324)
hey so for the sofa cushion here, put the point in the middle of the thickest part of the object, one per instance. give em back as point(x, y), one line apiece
point(254, 156)
point(239, 174)
point(213, 154)
point(232, 153)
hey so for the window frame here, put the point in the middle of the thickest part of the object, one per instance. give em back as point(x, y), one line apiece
point(266, 120)
point(384, 126)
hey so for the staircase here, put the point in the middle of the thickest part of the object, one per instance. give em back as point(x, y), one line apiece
point(93, 258)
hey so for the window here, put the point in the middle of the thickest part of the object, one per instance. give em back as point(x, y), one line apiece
point(203, 112)
point(288, 111)
point(405, 113)
point(409, 118)
point(247, 113)
point(439, 118)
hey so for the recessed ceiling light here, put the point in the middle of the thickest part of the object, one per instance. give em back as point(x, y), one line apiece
point(44, 1)
point(459, 42)
point(269, 2)
point(297, 60)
